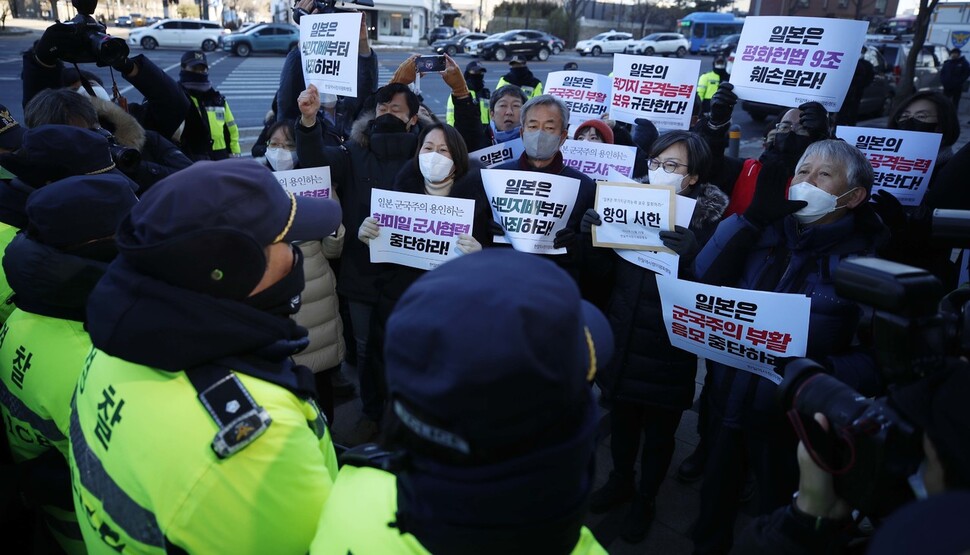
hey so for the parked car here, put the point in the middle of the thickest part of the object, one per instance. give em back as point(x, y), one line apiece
point(722, 45)
point(456, 44)
point(137, 20)
point(441, 33)
point(151, 20)
point(179, 33)
point(610, 43)
point(273, 37)
point(524, 42)
point(123, 21)
point(556, 44)
point(877, 98)
point(660, 43)
point(926, 73)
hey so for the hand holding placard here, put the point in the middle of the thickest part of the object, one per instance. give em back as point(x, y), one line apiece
point(770, 202)
point(722, 104)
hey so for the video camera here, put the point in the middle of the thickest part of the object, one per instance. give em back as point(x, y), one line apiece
point(871, 449)
point(93, 44)
point(328, 6)
point(126, 158)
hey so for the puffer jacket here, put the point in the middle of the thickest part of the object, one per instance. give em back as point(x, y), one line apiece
point(319, 313)
point(646, 368)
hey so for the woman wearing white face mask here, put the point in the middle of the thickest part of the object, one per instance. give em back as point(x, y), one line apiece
point(281, 147)
point(650, 383)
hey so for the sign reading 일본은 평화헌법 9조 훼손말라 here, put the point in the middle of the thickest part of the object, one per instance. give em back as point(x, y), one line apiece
point(329, 45)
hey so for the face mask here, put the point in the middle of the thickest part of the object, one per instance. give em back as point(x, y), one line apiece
point(792, 143)
point(660, 177)
point(819, 202)
point(475, 81)
point(719, 67)
point(389, 123)
point(540, 145)
point(98, 91)
point(435, 167)
point(283, 297)
point(279, 159)
point(194, 81)
point(913, 124)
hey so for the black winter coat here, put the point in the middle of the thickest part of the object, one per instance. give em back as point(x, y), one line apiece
point(646, 368)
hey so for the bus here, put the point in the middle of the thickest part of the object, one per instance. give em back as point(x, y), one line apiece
point(702, 27)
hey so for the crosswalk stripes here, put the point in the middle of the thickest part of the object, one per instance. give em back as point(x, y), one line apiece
point(254, 79)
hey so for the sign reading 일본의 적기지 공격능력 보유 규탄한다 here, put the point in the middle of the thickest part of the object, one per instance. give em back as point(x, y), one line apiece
point(792, 60)
point(329, 45)
point(661, 90)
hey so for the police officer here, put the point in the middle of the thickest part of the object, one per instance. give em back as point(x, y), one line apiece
point(210, 131)
point(193, 430)
point(475, 79)
point(708, 82)
point(492, 427)
point(520, 75)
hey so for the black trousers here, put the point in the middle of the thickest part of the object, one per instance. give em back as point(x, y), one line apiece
point(628, 422)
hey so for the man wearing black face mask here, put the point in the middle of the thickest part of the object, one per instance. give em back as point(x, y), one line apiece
point(475, 79)
point(210, 130)
point(520, 76)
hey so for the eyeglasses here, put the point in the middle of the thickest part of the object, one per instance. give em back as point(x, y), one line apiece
point(925, 117)
point(286, 146)
point(786, 127)
point(669, 166)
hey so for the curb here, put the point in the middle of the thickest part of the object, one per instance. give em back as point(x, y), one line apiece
point(15, 31)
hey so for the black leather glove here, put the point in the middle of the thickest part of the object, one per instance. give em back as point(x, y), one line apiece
point(681, 240)
point(890, 210)
point(722, 104)
point(123, 66)
point(770, 202)
point(814, 120)
point(56, 38)
point(495, 228)
point(590, 218)
point(565, 238)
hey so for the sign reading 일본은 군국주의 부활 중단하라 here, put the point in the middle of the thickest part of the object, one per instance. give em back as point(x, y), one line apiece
point(661, 90)
point(793, 60)
point(531, 207)
point(902, 161)
point(597, 159)
point(306, 182)
point(742, 328)
point(586, 94)
point(329, 45)
point(420, 231)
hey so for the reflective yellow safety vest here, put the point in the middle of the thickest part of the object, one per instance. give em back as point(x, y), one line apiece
point(7, 233)
point(707, 85)
point(220, 119)
point(363, 502)
point(145, 473)
point(530, 92)
point(482, 107)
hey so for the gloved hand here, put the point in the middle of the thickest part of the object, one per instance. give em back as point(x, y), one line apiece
point(453, 77)
point(681, 240)
point(123, 66)
point(369, 229)
point(56, 38)
point(309, 104)
point(722, 104)
point(814, 120)
point(590, 218)
point(495, 228)
point(406, 72)
point(468, 244)
point(770, 202)
point(565, 238)
point(890, 210)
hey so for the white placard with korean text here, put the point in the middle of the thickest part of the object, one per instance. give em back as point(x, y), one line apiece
point(902, 161)
point(661, 90)
point(420, 231)
point(531, 206)
point(501, 153)
point(633, 215)
point(664, 263)
point(793, 60)
point(329, 45)
point(586, 94)
point(597, 159)
point(306, 182)
point(741, 328)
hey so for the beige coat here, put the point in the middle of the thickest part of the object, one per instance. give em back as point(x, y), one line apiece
point(319, 313)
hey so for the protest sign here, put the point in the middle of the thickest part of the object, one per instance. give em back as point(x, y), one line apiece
point(742, 328)
point(597, 159)
point(531, 206)
point(420, 231)
point(664, 263)
point(902, 161)
point(329, 44)
point(658, 89)
point(633, 215)
point(793, 60)
point(494, 155)
point(307, 182)
point(586, 94)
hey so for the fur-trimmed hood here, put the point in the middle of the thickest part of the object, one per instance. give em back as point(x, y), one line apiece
point(122, 125)
point(711, 204)
point(360, 131)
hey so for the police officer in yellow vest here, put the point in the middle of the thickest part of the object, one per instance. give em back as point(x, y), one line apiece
point(210, 131)
point(491, 431)
point(193, 430)
point(52, 267)
point(708, 83)
point(475, 79)
point(520, 75)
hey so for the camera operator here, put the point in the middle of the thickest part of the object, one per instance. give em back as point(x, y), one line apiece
point(143, 155)
point(817, 519)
